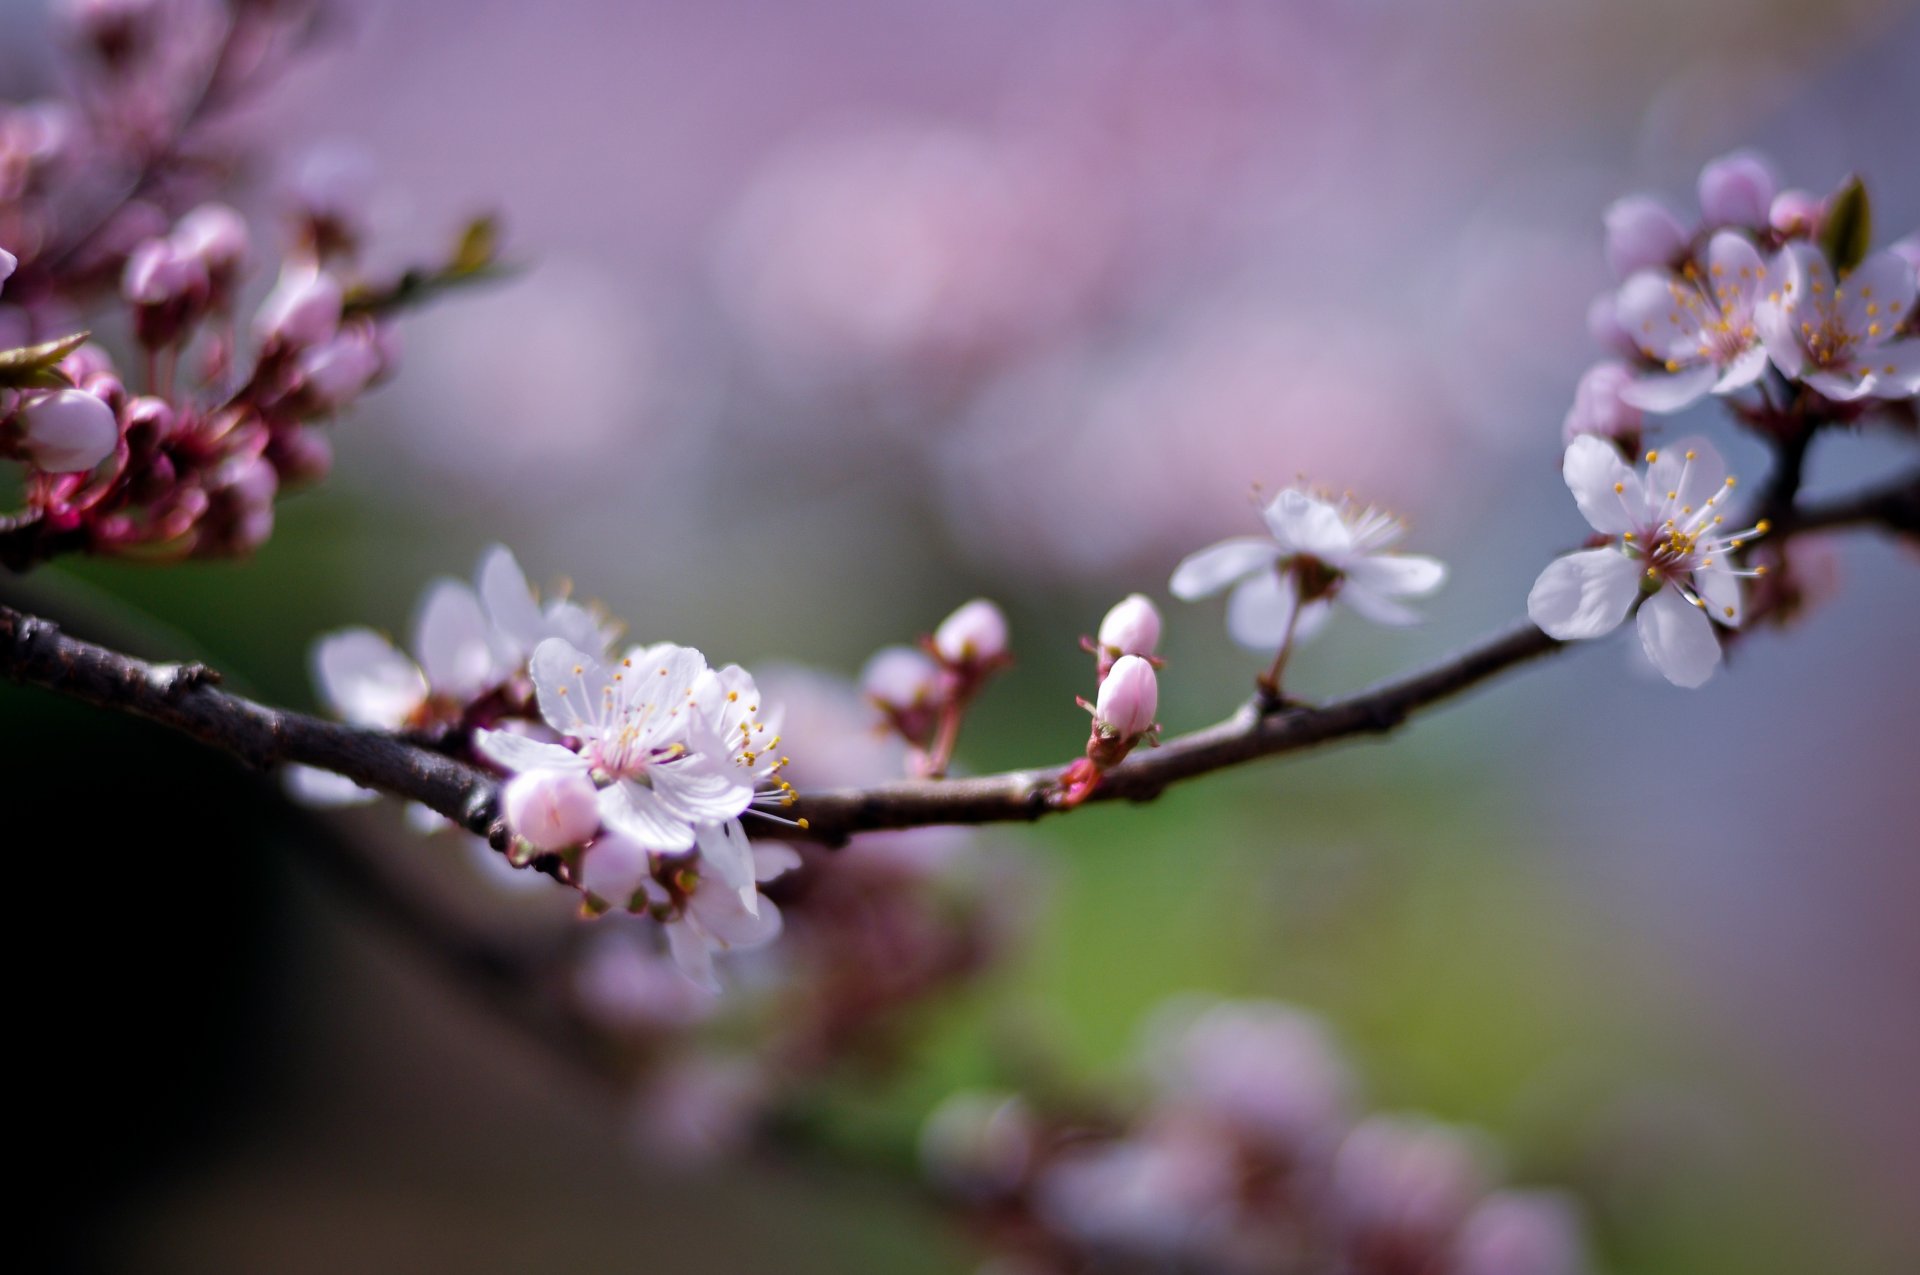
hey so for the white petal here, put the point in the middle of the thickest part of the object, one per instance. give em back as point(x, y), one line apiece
point(579, 626)
point(1395, 575)
point(1896, 369)
point(365, 681)
point(454, 641)
point(692, 953)
point(724, 848)
point(1734, 264)
point(1217, 566)
point(515, 752)
point(1307, 524)
point(728, 922)
point(574, 690)
point(702, 788)
point(614, 868)
point(1743, 371)
point(1312, 618)
point(312, 786)
point(1678, 638)
point(1720, 589)
point(636, 812)
point(1838, 386)
point(1692, 482)
point(509, 600)
point(1610, 495)
point(773, 859)
point(1584, 595)
point(1260, 609)
point(1884, 281)
point(1375, 606)
point(1646, 306)
point(1673, 391)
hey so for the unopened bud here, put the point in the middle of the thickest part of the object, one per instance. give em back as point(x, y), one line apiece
point(217, 237)
point(1128, 700)
point(333, 373)
point(168, 288)
point(616, 868)
point(973, 636)
point(552, 809)
point(303, 310)
point(900, 679)
point(1738, 190)
point(1796, 213)
point(68, 431)
point(1521, 1233)
point(1642, 234)
point(1132, 627)
point(1598, 408)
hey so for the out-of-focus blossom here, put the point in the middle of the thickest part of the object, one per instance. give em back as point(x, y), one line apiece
point(626, 983)
point(1673, 559)
point(334, 372)
point(975, 635)
point(900, 679)
point(1131, 627)
point(551, 809)
point(1606, 330)
point(217, 236)
point(1521, 1233)
point(169, 289)
point(1165, 1190)
point(1738, 190)
point(1406, 1183)
point(1796, 214)
point(978, 1145)
point(8, 263)
point(1699, 325)
point(1841, 336)
point(1318, 551)
point(1643, 234)
point(67, 431)
point(303, 310)
point(700, 1108)
point(714, 920)
point(1600, 408)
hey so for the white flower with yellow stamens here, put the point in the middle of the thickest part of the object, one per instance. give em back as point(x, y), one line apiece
point(1838, 336)
point(1672, 558)
point(1699, 325)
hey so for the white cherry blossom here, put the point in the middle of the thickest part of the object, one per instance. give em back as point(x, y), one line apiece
point(1672, 557)
point(1698, 324)
point(1319, 551)
point(718, 920)
point(1838, 336)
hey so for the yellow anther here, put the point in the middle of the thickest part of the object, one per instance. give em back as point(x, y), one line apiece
point(1729, 613)
point(1673, 495)
point(733, 696)
point(578, 670)
point(1700, 603)
point(626, 663)
point(1693, 455)
point(1652, 456)
point(1652, 574)
point(1759, 571)
point(1626, 535)
point(1618, 488)
point(803, 823)
point(1733, 482)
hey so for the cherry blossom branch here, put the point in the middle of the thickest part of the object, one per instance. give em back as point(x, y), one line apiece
point(187, 698)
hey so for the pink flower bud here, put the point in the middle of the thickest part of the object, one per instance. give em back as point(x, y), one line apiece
point(551, 809)
point(302, 310)
point(615, 869)
point(333, 373)
point(1738, 190)
point(1521, 1233)
point(1604, 326)
point(1598, 408)
point(1128, 699)
point(900, 678)
point(86, 363)
point(1908, 250)
point(1132, 627)
point(169, 290)
point(301, 455)
point(976, 634)
point(1642, 234)
point(1796, 213)
point(216, 236)
point(68, 431)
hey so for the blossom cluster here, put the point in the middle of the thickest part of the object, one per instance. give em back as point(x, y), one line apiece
point(107, 218)
point(1772, 303)
point(1248, 1154)
point(630, 770)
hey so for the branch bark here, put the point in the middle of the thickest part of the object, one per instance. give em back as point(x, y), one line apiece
point(187, 698)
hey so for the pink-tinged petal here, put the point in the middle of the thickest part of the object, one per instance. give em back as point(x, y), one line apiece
point(1720, 589)
point(773, 859)
point(614, 869)
point(1878, 294)
point(1656, 310)
point(1736, 273)
point(1217, 566)
point(1838, 386)
point(1896, 369)
point(1395, 575)
point(1373, 605)
point(518, 754)
point(454, 641)
point(1585, 594)
point(1684, 475)
point(692, 954)
point(579, 626)
point(365, 681)
point(1743, 371)
point(728, 922)
point(1678, 638)
point(1609, 493)
point(1260, 609)
point(509, 600)
point(1779, 340)
point(575, 691)
point(1642, 232)
point(312, 786)
point(1738, 190)
point(1307, 524)
point(1313, 617)
point(1673, 391)
point(724, 849)
point(666, 666)
point(636, 812)
point(702, 789)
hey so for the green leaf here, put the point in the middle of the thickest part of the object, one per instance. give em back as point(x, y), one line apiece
point(34, 366)
point(1848, 228)
point(479, 244)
